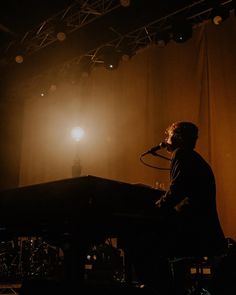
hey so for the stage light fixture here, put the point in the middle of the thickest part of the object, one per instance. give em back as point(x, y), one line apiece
point(107, 55)
point(125, 3)
point(19, 58)
point(77, 133)
point(218, 15)
point(61, 36)
point(60, 31)
point(182, 31)
point(111, 58)
point(17, 52)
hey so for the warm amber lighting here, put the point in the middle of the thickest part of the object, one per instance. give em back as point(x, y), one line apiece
point(77, 133)
point(217, 20)
point(19, 59)
point(61, 36)
point(125, 3)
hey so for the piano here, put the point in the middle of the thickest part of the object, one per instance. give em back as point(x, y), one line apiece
point(86, 203)
point(74, 214)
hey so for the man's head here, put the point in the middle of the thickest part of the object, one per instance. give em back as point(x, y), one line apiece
point(181, 135)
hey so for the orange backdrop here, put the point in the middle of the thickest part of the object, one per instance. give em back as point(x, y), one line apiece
point(124, 112)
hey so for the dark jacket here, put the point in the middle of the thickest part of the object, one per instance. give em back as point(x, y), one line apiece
point(195, 226)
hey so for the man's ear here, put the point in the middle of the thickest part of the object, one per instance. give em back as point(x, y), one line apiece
point(177, 139)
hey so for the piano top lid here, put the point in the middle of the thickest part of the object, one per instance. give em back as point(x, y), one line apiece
point(79, 183)
point(69, 198)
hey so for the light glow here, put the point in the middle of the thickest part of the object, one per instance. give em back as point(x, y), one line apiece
point(77, 133)
point(19, 59)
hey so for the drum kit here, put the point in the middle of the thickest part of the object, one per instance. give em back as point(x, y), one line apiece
point(29, 257)
point(35, 258)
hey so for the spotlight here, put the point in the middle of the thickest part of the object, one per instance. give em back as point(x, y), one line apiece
point(17, 52)
point(61, 36)
point(107, 55)
point(125, 3)
point(77, 133)
point(19, 58)
point(111, 59)
point(218, 15)
point(182, 31)
point(60, 32)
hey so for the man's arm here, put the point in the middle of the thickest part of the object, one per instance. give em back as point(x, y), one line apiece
point(177, 194)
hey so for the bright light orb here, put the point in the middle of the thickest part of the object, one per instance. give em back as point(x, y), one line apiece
point(77, 133)
point(19, 59)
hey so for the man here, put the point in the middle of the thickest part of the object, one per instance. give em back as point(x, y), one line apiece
point(187, 223)
point(195, 228)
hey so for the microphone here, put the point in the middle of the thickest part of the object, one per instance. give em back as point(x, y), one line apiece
point(155, 148)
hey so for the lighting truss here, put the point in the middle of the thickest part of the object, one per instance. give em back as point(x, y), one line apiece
point(197, 13)
point(77, 15)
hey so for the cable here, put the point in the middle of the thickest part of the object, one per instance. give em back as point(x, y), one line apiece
point(163, 157)
point(152, 166)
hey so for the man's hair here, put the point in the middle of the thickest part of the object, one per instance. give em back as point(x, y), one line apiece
point(185, 134)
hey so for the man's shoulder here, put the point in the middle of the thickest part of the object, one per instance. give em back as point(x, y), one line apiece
point(183, 155)
point(182, 152)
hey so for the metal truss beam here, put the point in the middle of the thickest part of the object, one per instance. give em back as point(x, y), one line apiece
point(74, 17)
point(196, 13)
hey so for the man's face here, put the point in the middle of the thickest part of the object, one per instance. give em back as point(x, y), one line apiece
point(171, 144)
